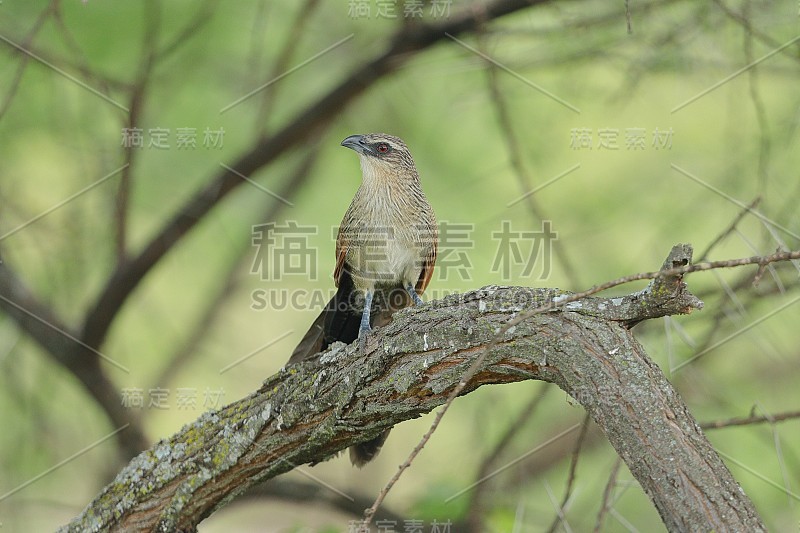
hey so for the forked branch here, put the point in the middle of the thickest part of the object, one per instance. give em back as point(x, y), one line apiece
point(308, 412)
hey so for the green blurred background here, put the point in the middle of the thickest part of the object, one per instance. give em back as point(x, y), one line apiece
point(483, 133)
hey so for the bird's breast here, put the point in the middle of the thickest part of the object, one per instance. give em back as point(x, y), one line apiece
point(387, 239)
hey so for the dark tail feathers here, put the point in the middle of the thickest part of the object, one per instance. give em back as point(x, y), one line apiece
point(340, 321)
point(364, 452)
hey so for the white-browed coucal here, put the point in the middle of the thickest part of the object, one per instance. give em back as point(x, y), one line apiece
point(385, 254)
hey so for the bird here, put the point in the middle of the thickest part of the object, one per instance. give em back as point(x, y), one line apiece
point(385, 255)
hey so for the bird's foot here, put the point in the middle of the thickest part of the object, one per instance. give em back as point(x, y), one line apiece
point(364, 329)
point(363, 333)
point(414, 296)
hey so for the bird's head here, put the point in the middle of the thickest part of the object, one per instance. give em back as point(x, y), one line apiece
point(382, 155)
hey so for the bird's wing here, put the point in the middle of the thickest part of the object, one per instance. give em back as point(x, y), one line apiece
point(428, 263)
point(341, 253)
point(313, 341)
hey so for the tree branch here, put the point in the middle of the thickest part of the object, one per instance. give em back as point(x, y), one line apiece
point(310, 411)
point(310, 493)
point(403, 45)
point(230, 282)
point(667, 275)
point(78, 349)
point(750, 420)
point(57, 339)
point(476, 506)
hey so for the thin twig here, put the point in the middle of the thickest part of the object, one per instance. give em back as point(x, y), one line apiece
point(763, 37)
point(573, 466)
point(24, 58)
point(81, 61)
point(606, 505)
point(281, 65)
point(232, 280)
point(776, 440)
point(150, 38)
point(677, 271)
point(764, 144)
point(721, 310)
point(727, 231)
point(628, 17)
point(202, 16)
point(475, 517)
point(749, 420)
point(287, 490)
point(515, 157)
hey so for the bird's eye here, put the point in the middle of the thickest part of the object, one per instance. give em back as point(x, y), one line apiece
point(383, 148)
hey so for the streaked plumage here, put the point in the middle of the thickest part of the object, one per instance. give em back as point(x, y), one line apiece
point(385, 253)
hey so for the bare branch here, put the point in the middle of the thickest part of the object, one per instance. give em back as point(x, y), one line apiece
point(475, 506)
point(281, 64)
point(573, 466)
point(316, 495)
point(749, 420)
point(315, 118)
point(675, 272)
point(136, 103)
point(308, 412)
point(731, 227)
point(58, 339)
point(228, 286)
point(512, 142)
point(745, 22)
point(606, 504)
point(51, 9)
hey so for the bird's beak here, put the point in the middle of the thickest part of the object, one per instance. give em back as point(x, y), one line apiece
point(357, 143)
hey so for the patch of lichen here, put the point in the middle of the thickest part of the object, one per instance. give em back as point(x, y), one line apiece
point(195, 436)
point(221, 454)
point(658, 292)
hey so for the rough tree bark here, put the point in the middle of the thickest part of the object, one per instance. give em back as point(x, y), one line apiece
point(308, 412)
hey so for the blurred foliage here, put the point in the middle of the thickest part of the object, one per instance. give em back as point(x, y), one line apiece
point(619, 212)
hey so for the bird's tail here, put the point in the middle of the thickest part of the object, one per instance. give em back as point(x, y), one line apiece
point(364, 452)
point(340, 321)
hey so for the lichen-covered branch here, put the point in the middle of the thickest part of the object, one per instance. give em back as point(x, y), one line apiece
point(310, 411)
